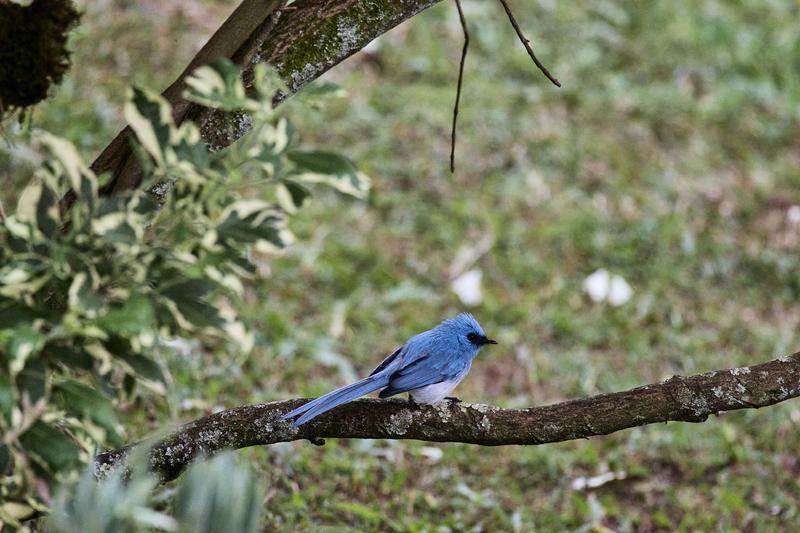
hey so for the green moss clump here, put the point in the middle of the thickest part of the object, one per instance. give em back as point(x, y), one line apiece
point(33, 49)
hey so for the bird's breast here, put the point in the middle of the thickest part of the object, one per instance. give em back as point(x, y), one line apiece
point(431, 394)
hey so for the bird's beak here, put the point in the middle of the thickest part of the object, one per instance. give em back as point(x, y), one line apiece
point(489, 341)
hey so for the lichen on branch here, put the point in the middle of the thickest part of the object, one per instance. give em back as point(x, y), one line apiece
point(685, 399)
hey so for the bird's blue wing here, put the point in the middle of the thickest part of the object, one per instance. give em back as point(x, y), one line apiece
point(386, 362)
point(427, 370)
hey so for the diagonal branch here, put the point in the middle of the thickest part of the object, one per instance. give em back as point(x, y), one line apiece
point(685, 399)
point(248, 19)
point(302, 41)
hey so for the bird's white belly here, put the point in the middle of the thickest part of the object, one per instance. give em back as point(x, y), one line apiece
point(435, 393)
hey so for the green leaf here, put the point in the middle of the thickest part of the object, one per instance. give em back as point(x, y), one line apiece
point(319, 90)
point(268, 83)
point(23, 277)
point(117, 229)
point(247, 221)
point(331, 169)
point(199, 313)
point(82, 401)
point(8, 400)
point(135, 315)
point(117, 203)
point(196, 288)
point(150, 118)
point(320, 162)
point(188, 298)
point(37, 206)
point(145, 204)
point(71, 356)
point(217, 85)
point(129, 384)
point(5, 458)
point(145, 367)
point(291, 195)
point(83, 297)
point(219, 495)
point(123, 501)
point(14, 313)
point(272, 142)
point(81, 178)
point(53, 450)
point(32, 380)
point(47, 214)
point(25, 342)
point(244, 264)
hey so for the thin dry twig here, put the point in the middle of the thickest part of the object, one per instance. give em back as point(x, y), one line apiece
point(458, 88)
point(527, 45)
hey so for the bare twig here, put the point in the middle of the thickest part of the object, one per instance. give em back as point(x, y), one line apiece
point(458, 87)
point(527, 45)
point(687, 399)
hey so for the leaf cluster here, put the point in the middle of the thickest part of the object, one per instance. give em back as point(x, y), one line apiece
point(218, 495)
point(34, 54)
point(90, 293)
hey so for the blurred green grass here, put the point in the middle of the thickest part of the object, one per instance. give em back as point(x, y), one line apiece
point(670, 158)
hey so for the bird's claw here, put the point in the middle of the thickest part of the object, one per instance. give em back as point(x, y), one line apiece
point(453, 399)
point(316, 441)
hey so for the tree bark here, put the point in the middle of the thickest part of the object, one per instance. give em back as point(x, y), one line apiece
point(302, 41)
point(686, 399)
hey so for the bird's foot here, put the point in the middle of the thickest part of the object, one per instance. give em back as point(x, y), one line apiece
point(453, 399)
point(316, 441)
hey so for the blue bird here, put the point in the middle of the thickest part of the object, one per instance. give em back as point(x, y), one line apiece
point(428, 367)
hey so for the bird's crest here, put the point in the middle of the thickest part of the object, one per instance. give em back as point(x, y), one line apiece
point(462, 323)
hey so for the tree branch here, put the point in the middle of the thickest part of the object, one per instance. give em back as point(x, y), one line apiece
point(245, 21)
point(302, 41)
point(686, 399)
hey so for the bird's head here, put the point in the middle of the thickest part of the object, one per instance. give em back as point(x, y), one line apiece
point(468, 332)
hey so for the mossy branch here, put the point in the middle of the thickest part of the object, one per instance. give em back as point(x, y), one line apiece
point(302, 41)
point(685, 399)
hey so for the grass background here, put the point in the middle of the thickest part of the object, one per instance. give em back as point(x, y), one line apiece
point(670, 158)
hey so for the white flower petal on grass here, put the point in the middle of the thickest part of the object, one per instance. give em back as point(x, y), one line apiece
point(583, 483)
point(793, 214)
point(464, 490)
point(433, 453)
point(602, 286)
point(467, 287)
point(597, 285)
point(619, 292)
point(336, 329)
point(468, 254)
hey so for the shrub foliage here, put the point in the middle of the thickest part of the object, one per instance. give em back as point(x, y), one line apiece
point(88, 293)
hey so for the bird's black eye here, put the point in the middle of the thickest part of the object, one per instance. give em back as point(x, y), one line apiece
point(473, 337)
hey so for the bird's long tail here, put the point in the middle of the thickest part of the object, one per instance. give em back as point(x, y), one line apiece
point(335, 398)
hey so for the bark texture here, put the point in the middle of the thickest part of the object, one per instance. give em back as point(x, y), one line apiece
point(685, 399)
point(302, 41)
